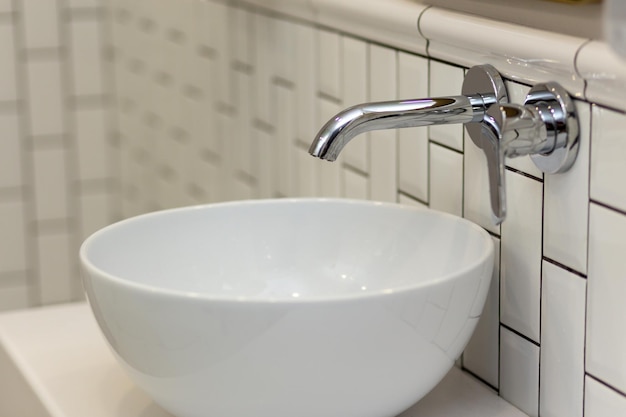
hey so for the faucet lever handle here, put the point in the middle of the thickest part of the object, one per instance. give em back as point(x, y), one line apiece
point(545, 127)
point(494, 153)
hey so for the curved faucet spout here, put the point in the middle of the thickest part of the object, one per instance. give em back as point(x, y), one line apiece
point(339, 130)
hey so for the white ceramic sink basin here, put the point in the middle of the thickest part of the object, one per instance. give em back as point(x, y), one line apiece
point(288, 308)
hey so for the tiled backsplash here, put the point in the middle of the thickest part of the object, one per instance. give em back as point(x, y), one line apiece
point(218, 100)
point(55, 174)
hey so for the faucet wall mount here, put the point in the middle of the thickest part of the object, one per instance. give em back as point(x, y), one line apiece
point(545, 126)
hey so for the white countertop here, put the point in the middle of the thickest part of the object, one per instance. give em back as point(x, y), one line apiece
point(54, 362)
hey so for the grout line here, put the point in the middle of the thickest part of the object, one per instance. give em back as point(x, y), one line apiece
point(478, 377)
point(354, 169)
point(525, 174)
point(72, 172)
point(434, 142)
point(606, 384)
point(28, 168)
point(607, 206)
point(512, 330)
point(107, 67)
point(412, 197)
point(328, 97)
point(492, 234)
point(565, 267)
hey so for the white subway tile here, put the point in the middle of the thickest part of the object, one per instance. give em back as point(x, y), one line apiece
point(15, 297)
point(413, 143)
point(86, 51)
point(244, 147)
point(285, 137)
point(96, 211)
point(566, 205)
point(57, 272)
point(354, 66)
point(355, 185)
point(477, 194)
point(562, 342)
point(13, 236)
point(41, 23)
point(284, 49)
point(608, 153)
point(51, 183)
point(266, 157)
point(242, 36)
point(606, 310)
point(241, 190)
point(410, 201)
point(602, 401)
point(206, 176)
point(517, 95)
point(329, 63)
point(521, 255)
point(8, 83)
point(94, 161)
point(85, 3)
point(221, 24)
point(262, 69)
point(446, 180)
point(45, 97)
point(11, 154)
point(306, 86)
point(481, 354)
point(6, 6)
point(446, 80)
point(519, 372)
point(383, 145)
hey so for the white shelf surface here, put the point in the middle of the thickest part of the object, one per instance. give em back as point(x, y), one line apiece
point(54, 362)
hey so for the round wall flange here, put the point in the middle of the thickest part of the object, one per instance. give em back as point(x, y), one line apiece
point(486, 81)
point(562, 126)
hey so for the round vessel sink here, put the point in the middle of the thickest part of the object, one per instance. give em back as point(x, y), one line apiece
point(290, 307)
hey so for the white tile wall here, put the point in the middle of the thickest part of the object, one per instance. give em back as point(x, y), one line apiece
point(562, 342)
point(284, 69)
point(519, 372)
point(383, 143)
point(521, 255)
point(607, 157)
point(446, 180)
point(216, 101)
point(446, 80)
point(602, 401)
point(606, 310)
point(566, 206)
point(481, 354)
point(413, 143)
point(56, 164)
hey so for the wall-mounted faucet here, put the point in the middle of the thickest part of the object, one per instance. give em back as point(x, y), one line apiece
point(545, 127)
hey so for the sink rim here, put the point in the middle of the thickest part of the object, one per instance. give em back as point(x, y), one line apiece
point(156, 290)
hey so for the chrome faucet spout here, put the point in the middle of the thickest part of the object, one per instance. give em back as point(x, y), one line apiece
point(339, 130)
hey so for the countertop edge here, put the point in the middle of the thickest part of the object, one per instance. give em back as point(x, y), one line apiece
point(70, 370)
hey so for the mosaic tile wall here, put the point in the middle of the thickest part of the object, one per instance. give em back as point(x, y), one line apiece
point(55, 171)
